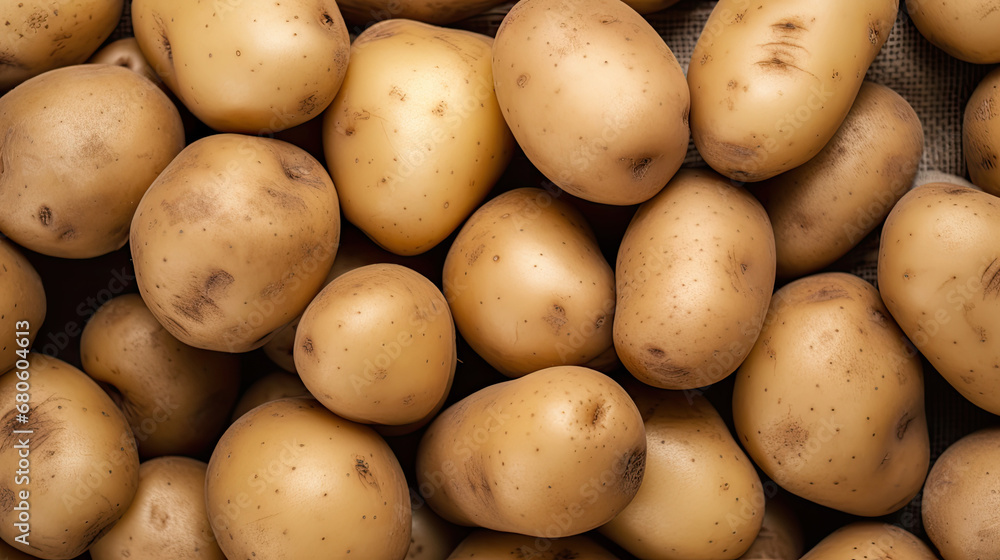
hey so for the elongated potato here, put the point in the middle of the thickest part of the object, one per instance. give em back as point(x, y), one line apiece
point(870, 541)
point(694, 276)
point(22, 304)
point(489, 545)
point(769, 89)
point(965, 29)
point(555, 453)
point(981, 133)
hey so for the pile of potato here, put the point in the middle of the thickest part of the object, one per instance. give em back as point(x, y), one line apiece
point(417, 292)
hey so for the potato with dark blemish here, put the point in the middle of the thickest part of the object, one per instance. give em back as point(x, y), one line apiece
point(234, 239)
point(871, 541)
point(694, 275)
point(490, 545)
point(555, 453)
point(939, 275)
point(594, 97)
point(981, 132)
point(528, 285)
point(826, 206)
point(290, 479)
point(22, 304)
point(440, 12)
point(78, 148)
point(167, 519)
point(830, 401)
point(83, 466)
point(768, 89)
point(965, 29)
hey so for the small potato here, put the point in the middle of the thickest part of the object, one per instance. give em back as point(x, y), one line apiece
point(981, 133)
point(271, 387)
point(780, 536)
point(126, 53)
point(8, 552)
point(965, 29)
point(649, 6)
point(22, 304)
point(432, 538)
point(870, 541)
point(489, 545)
point(440, 12)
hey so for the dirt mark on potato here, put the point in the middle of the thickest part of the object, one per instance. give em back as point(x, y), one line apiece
point(634, 466)
point(196, 305)
point(991, 279)
point(365, 474)
point(827, 293)
point(555, 318)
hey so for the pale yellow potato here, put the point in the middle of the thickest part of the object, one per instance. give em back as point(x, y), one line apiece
point(830, 401)
point(292, 481)
point(414, 139)
point(252, 67)
point(490, 545)
point(771, 82)
point(961, 501)
point(81, 146)
point(939, 275)
point(965, 29)
point(22, 304)
point(649, 6)
point(701, 498)
point(555, 453)
point(233, 240)
point(431, 538)
point(870, 541)
point(440, 12)
point(780, 536)
point(82, 467)
point(826, 206)
point(528, 285)
point(271, 387)
point(167, 519)
point(694, 276)
point(594, 97)
point(126, 53)
point(981, 133)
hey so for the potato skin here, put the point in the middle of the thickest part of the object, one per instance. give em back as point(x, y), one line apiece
point(490, 545)
point(965, 29)
point(555, 453)
point(768, 91)
point(271, 387)
point(830, 401)
point(981, 134)
point(438, 12)
point(431, 537)
point(556, 60)
point(961, 500)
point(694, 275)
point(939, 275)
point(22, 298)
point(826, 206)
point(871, 541)
point(649, 6)
point(780, 536)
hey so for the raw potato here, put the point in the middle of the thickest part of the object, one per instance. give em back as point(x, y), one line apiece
point(701, 498)
point(167, 519)
point(528, 285)
point(252, 67)
point(490, 545)
point(961, 500)
point(694, 276)
point(780, 536)
point(176, 398)
point(43, 35)
point(769, 88)
point(826, 206)
point(939, 275)
point(440, 12)
point(233, 240)
point(431, 538)
point(126, 53)
point(81, 146)
point(830, 401)
point(83, 468)
point(870, 541)
point(22, 304)
point(965, 29)
point(555, 453)
point(271, 387)
point(649, 6)
point(377, 346)
point(414, 139)
point(594, 97)
point(981, 133)
point(8, 552)
point(292, 481)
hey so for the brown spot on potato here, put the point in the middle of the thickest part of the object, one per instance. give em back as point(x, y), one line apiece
point(327, 20)
point(308, 104)
point(475, 253)
point(307, 346)
point(874, 31)
point(365, 474)
point(827, 293)
point(68, 233)
point(991, 279)
point(522, 80)
point(639, 167)
point(608, 20)
point(656, 352)
point(634, 466)
point(878, 317)
point(440, 109)
point(45, 215)
point(161, 30)
point(988, 161)
point(196, 304)
point(479, 483)
point(285, 200)
point(555, 318)
point(986, 111)
point(904, 422)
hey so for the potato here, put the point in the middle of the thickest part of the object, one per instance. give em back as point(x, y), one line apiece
point(82, 145)
point(176, 398)
point(555, 453)
point(830, 401)
point(826, 206)
point(292, 481)
point(8, 552)
point(768, 90)
point(594, 97)
point(981, 134)
point(701, 497)
point(431, 537)
point(126, 53)
point(528, 285)
point(780, 536)
point(234, 239)
point(961, 500)
point(414, 139)
point(22, 304)
point(939, 275)
point(441, 12)
point(649, 6)
point(377, 346)
point(39, 36)
point(167, 518)
point(491, 545)
point(870, 541)
point(252, 67)
point(694, 275)
point(965, 29)
point(271, 387)
point(74, 475)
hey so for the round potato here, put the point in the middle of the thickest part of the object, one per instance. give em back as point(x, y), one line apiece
point(81, 146)
point(22, 304)
point(292, 481)
point(440, 12)
point(431, 538)
point(965, 29)
point(780, 536)
point(830, 401)
point(649, 6)
point(491, 544)
point(127, 54)
point(414, 139)
point(870, 541)
point(528, 285)
point(167, 519)
point(271, 387)
point(981, 134)
point(233, 240)
point(594, 97)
